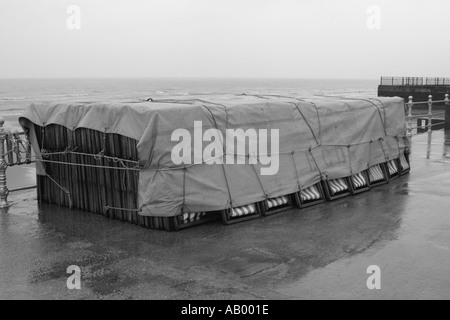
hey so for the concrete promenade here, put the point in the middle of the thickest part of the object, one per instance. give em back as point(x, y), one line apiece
point(315, 253)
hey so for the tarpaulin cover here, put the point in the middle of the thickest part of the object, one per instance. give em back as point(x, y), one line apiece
point(320, 138)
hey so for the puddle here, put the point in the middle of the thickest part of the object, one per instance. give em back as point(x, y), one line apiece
point(252, 261)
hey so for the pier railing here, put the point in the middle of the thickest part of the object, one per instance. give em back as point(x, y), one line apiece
point(414, 81)
point(15, 150)
point(429, 115)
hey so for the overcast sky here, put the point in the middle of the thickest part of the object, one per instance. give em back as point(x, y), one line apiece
point(224, 38)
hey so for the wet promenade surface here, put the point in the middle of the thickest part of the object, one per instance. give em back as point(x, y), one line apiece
point(314, 253)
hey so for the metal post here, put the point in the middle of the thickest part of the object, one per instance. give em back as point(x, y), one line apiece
point(430, 112)
point(409, 129)
point(447, 112)
point(3, 166)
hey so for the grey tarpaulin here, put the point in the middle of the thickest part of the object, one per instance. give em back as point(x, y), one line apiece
point(320, 138)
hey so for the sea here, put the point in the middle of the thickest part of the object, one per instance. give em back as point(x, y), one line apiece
point(17, 94)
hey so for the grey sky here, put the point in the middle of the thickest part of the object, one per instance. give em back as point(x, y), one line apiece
point(224, 38)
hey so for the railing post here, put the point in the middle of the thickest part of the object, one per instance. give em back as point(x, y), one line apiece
point(430, 112)
point(3, 166)
point(409, 129)
point(447, 112)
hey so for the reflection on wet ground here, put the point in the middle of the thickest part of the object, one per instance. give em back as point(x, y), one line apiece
point(447, 145)
point(319, 252)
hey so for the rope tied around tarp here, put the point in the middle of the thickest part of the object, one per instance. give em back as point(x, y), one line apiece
point(66, 191)
point(350, 159)
point(224, 152)
point(266, 195)
point(296, 172)
point(107, 207)
point(386, 154)
point(315, 162)
point(369, 155)
point(42, 136)
point(184, 191)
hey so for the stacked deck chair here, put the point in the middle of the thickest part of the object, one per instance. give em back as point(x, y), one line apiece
point(170, 163)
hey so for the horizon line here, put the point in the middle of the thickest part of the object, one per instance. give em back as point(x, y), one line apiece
point(190, 77)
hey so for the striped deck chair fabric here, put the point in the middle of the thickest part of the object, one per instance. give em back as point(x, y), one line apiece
point(403, 162)
point(359, 181)
point(243, 211)
point(277, 202)
point(393, 168)
point(376, 173)
point(338, 185)
point(310, 194)
point(191, 217)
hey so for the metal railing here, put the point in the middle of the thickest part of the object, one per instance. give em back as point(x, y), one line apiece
point(15, 149)
point(429, 115)
point(414, 81)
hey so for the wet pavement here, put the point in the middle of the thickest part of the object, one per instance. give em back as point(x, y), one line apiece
point(314, 253)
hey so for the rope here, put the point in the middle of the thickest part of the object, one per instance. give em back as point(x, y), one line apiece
point(296, 172)
point(370, 155)
point(42, 136)
point(7, 153)
point(63, 189)
point(386, 157)
point(350, 160)
point(383, 122)
point(307, 123)
point(223, 165)
point(121, 209)
point(298, 99)
point(259, 181)
point(97, 156)
point(95, 166)
point(315, 162)
point(184, 192)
